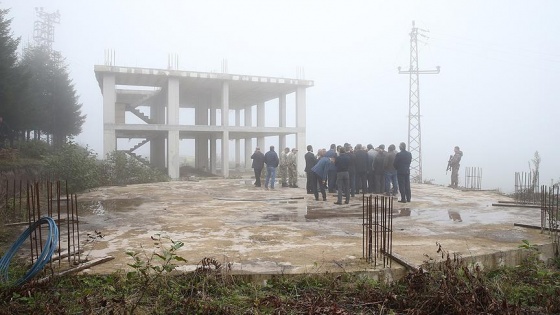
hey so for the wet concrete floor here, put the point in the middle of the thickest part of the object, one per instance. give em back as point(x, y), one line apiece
point(286, 231)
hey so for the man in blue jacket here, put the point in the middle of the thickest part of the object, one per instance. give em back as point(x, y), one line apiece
point(271, 161)
point(320, 174)
point(402, 165)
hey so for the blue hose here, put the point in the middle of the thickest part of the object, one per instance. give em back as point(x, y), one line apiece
point(42, 260)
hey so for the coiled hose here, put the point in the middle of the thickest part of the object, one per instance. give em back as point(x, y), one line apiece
point(46, 255)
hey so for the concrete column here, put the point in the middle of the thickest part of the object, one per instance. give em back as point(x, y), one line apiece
point(173, 162)
point(248, 141)
point(213, 137)
point(282, 120)
point(120, 110)
point(260, 123)
point(225, 125)
point(237, 141)
point(157, 144)
point(301, 125)
point(201, 142)
point(109, 100)
point(173, 101)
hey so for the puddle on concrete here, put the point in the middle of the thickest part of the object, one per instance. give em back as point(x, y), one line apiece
point(403, 212)
point(100, 207)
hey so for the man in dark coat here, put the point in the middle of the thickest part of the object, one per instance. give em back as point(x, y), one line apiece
point(402, 164)
point(342, 162)
point(258, 164)
point(271, 161)
point(361, 169)
point(310, 161)
point(331, 180)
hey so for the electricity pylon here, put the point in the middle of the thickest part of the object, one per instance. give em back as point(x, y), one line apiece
point(414, 130)
point(43, 30)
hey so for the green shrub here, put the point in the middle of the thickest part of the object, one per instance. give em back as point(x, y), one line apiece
point(122, 169)
point(76, 165)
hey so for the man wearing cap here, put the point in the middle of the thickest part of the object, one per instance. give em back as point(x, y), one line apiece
point(258, 164)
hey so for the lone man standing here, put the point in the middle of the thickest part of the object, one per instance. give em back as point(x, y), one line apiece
point(402, 165)
point(455, 160)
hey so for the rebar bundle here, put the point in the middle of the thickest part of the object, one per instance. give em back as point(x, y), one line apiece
point(550, 197)
point(473, 178)
point(377, 229)
point(25, 202)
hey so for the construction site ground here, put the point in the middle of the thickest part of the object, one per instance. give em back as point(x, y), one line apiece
point(285, 231)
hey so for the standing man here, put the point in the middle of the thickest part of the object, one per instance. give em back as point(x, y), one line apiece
point(361, 169)
point(390, 172)
point(258, 164)
point(310, 161)
point(342, 163)
point(455, 160)
point(402, 165)
point(331, 180)
point(372, 154)
point(378, 170)
point(292, 168)
point(271, 161)
point(284, 167)
point(320, 173)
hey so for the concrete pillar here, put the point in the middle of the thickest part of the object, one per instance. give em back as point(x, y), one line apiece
point(282, 120)
point(225, 125)
point(173, 101)
point(260, 123)
point(237, 141)
point(201, 142)
point(248, 141)
point(213, 137)
point(120, 110)
point(109, 100)
point(173, 162)
point(300, 124)
point(157, 144)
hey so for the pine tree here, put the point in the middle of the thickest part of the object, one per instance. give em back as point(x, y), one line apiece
point(56, 110)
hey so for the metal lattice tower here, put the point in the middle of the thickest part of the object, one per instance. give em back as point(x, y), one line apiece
point(414, 130)
point(43, 30)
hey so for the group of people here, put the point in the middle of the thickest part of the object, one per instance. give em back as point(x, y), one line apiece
point(350, 170)
point(286, 164)
point(344, 169)
point(347, 170)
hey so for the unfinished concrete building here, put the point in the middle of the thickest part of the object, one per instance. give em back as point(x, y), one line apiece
point(157, 98)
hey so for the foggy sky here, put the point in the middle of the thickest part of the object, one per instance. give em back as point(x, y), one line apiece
point(496, 96)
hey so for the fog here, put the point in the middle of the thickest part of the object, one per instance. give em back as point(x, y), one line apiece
point(496, 95)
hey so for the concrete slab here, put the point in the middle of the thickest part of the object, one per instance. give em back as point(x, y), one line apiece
point(287, 231)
